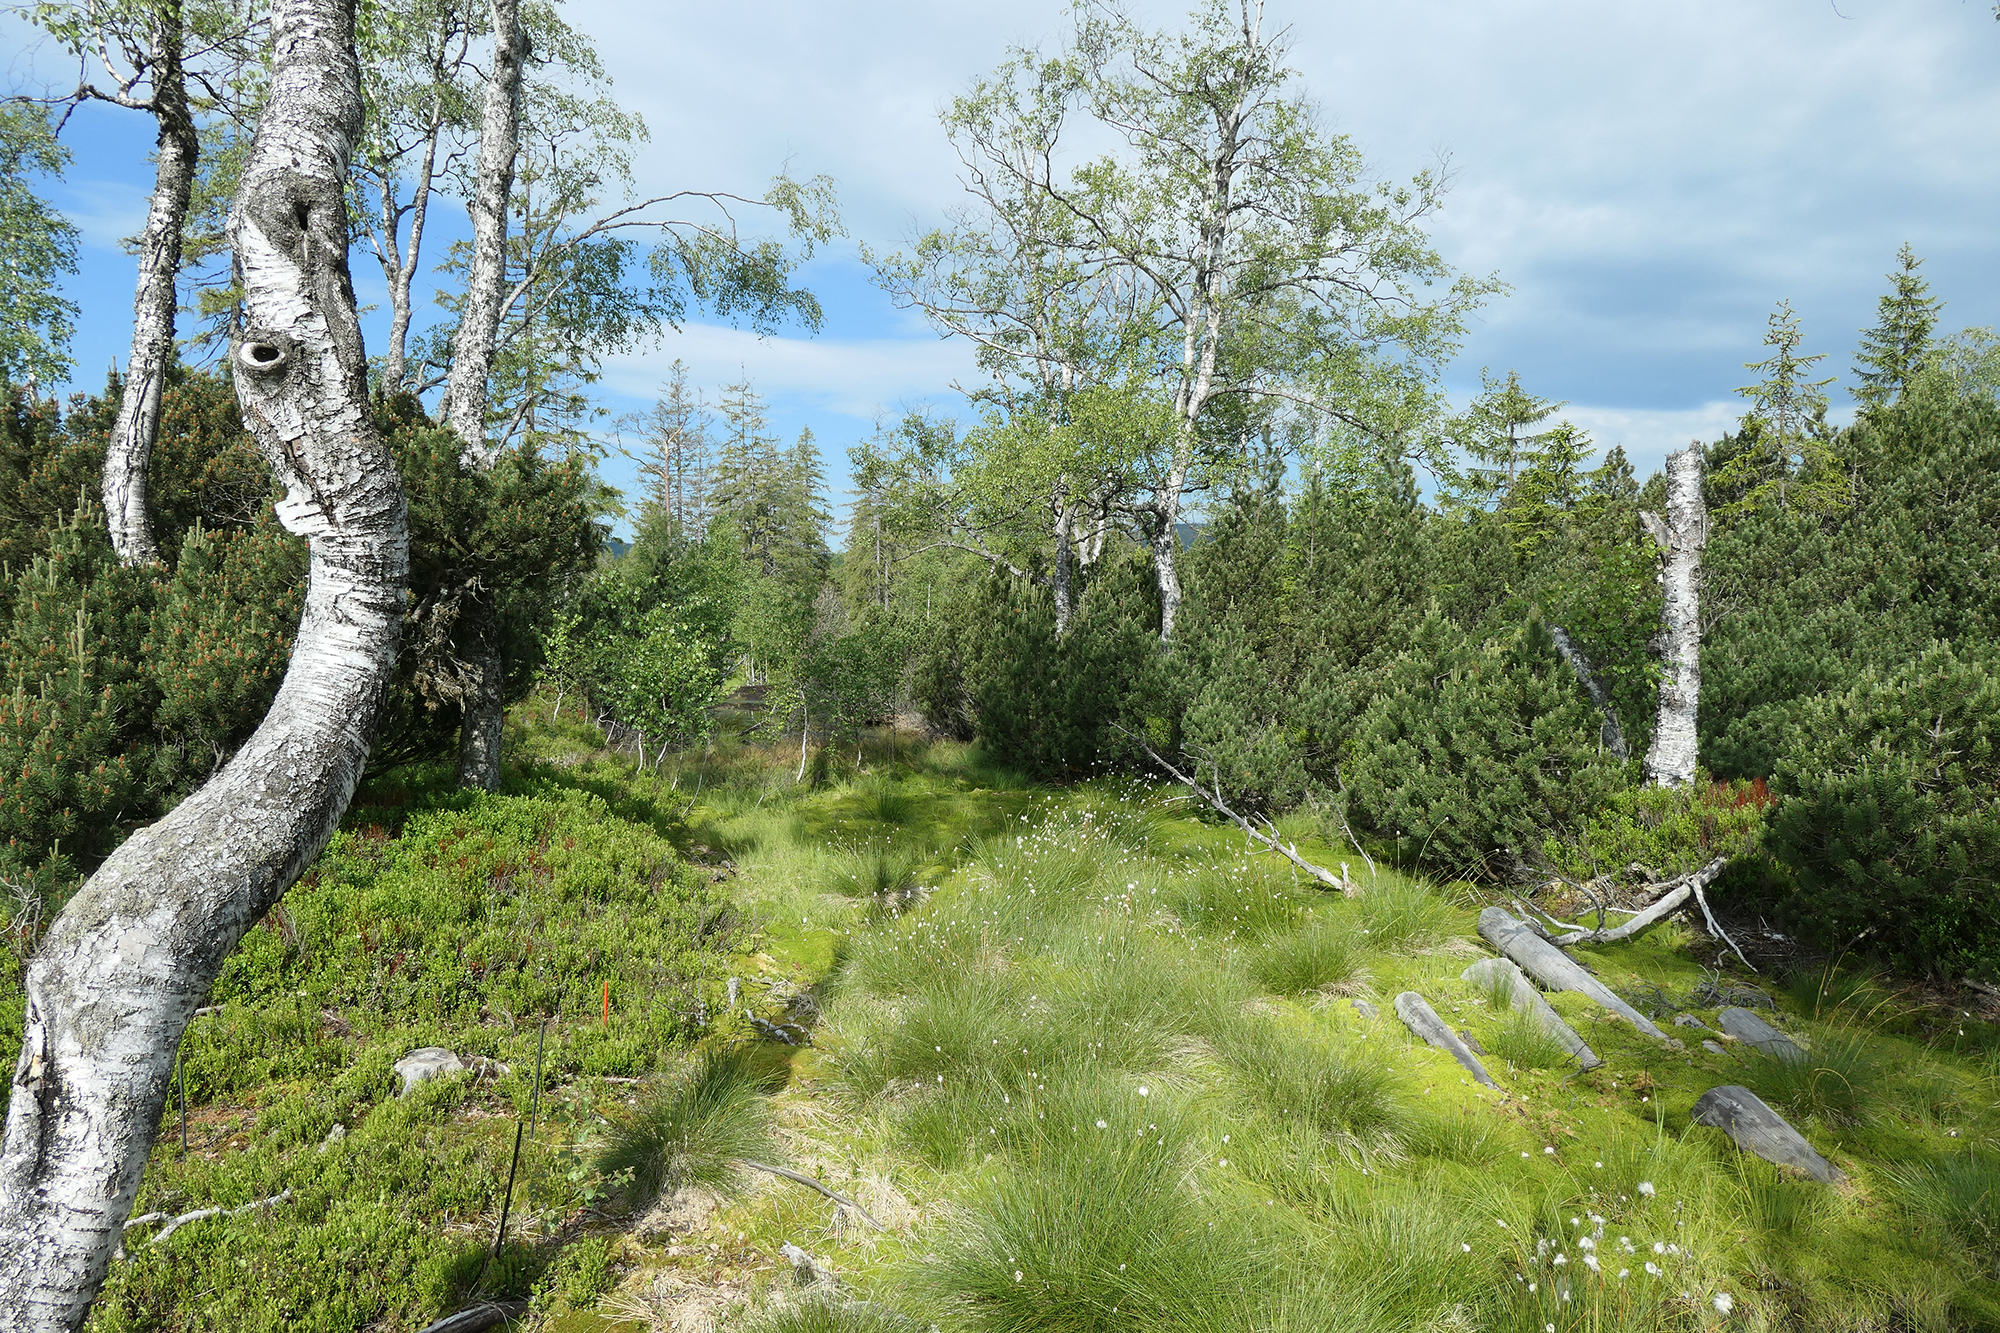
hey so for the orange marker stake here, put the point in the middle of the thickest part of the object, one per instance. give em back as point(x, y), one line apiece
point(607, 1004)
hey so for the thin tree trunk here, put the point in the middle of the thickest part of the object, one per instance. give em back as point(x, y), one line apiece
point(111, 990)
point(483, 709)
point(1682, 536)
point(479, 324)
point(130, 449)
point(1166, 551)
point(1064, 580)
point(1611, 734)
point(472, 366)
point(395, 371)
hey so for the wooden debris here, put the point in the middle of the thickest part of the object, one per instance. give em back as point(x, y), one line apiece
point(1553, 968)
point(800, 1178)
point(806, 1270)
point(1687, 887)
point(476, 1318)
point(1751, 1030)
point(1420, 1018)
point(1494, 973)
point(1757, 1129)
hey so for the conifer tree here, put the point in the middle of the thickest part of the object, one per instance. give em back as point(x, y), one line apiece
point(676, 463)
point(1895, 351)
point(1785, 458)
point(1498, 437)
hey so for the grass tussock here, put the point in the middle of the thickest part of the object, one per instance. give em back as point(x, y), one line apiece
point(1324, 956)
point(692, 1130)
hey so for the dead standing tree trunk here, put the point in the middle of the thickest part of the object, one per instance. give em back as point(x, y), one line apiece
point(123, 968)
point(481, 669)
point(1682, 536)
point(129, 451)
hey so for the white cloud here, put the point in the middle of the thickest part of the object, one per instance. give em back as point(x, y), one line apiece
point(852, 377)
point(1648, 435)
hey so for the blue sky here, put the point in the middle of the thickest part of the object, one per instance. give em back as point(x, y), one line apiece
point(1650, 179)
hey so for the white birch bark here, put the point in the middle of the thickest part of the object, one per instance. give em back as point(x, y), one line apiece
point(399, 265)
point(130, 450)
point(1682, 536)
point(125, 965)
point(485, 291)
point(1063, 581)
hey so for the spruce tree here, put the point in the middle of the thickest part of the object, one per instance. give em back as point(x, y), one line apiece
point(1497, 435)
point(1896, 350)
point(1786, 457)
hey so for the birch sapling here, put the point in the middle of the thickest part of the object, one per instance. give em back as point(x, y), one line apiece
point(110, 992)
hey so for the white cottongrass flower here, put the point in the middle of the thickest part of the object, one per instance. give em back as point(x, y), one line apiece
point(1145, 1092)
point(1659, 1247)
point(1498, 1223)
point(1102, 1125)
point(1561, 1258)
point(1463, 1246)
point(1646, 1188)
point(1624, 1272)
point(1586, 1243)
point(1724, 1302)
point(1652, 1269)
point(1590, 1262)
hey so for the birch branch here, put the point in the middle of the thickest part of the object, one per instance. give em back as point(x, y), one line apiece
point(1289, 851)
point(800, 1178)
point(174, 1224)
point(1665, 907)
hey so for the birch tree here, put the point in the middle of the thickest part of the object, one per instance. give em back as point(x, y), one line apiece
point(419, 93)
point(1279, 272)
point(1682, 535)
point(1049, 317)
point(37, 246)
point(110, 992)
point(166, 58)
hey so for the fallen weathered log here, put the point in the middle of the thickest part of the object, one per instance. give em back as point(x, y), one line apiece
point(1495, 973)
point(475, 1318)
point(1757, 1129)
point(1751, 1030)
point(1420, 1018)
point(1553, 968)
point(1667, 905)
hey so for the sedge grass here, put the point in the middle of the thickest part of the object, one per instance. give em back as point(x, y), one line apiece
point(1324, 956)
point(692, 1130)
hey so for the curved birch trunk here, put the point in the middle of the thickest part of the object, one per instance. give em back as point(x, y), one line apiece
point(485, 286)
point(129, 451)
point(1611, 735)
point(127, 962)
point(1682, 536)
